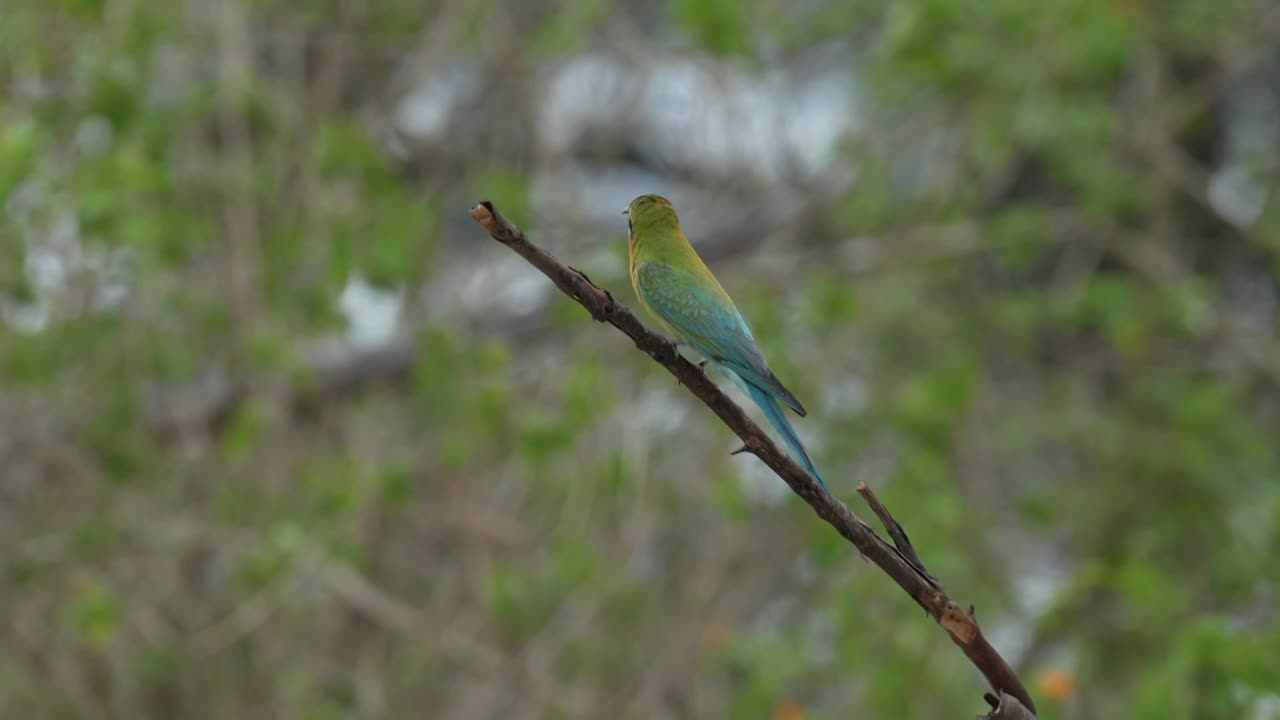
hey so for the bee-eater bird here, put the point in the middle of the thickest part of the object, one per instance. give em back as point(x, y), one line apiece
point(673, 283)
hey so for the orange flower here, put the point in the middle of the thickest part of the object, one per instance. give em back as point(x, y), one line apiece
point(788, 710)
point(1056, 684)
point(715, 637)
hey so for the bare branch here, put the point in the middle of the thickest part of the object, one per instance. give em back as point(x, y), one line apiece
point(908, 574)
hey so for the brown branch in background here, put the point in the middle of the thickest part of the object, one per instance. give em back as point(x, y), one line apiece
point(210, 401)
point(899, 563)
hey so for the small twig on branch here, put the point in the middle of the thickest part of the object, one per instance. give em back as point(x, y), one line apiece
point(896, 533)
point(901, 563)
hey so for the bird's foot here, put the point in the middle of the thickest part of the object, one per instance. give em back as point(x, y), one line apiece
point(702, 366)
point(668, 354)
point(600, 311)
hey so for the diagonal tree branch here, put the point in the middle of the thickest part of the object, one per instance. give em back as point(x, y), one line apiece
point(903, 566)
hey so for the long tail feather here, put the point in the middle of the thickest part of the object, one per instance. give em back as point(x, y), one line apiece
point(778, 418)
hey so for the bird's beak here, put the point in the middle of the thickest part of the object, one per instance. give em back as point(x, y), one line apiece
point(626, 211)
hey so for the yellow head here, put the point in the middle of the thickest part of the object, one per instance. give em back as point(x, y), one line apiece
point(650, 214)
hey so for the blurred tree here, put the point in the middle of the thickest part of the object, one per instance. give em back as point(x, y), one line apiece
point(406, 480)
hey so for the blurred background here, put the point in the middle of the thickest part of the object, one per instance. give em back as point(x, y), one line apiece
point(284, 434)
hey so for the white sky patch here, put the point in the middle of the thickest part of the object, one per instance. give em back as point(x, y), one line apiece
point(1036, 590)
point(56, 256)
point(1262, 705)
point(502, 284)
point(758, 481)
point(1238, 195)
point(849, 396)
point(424, 114)
point(658, 412)
point(681, 112)
point(373, 314)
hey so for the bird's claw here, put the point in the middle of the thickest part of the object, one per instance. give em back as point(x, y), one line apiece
point(603, 313)
point(667, 354)
point(743, 449)
point(584, 276)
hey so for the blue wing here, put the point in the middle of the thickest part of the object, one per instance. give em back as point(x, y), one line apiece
point(706, 319)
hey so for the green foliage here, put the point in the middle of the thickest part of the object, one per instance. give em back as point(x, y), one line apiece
point(1044, 350)
point(507, 190)
point(769, 665)
point(568, 29)
point(21, 143)
point(96, 614)
point(1064, 348)
point(721, 26)
point(523, 601)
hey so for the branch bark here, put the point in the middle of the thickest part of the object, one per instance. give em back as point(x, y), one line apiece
point(899, 563)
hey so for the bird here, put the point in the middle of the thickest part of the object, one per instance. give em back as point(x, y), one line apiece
point(675, 286)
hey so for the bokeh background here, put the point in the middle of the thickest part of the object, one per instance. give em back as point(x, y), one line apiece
point(283, 434)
